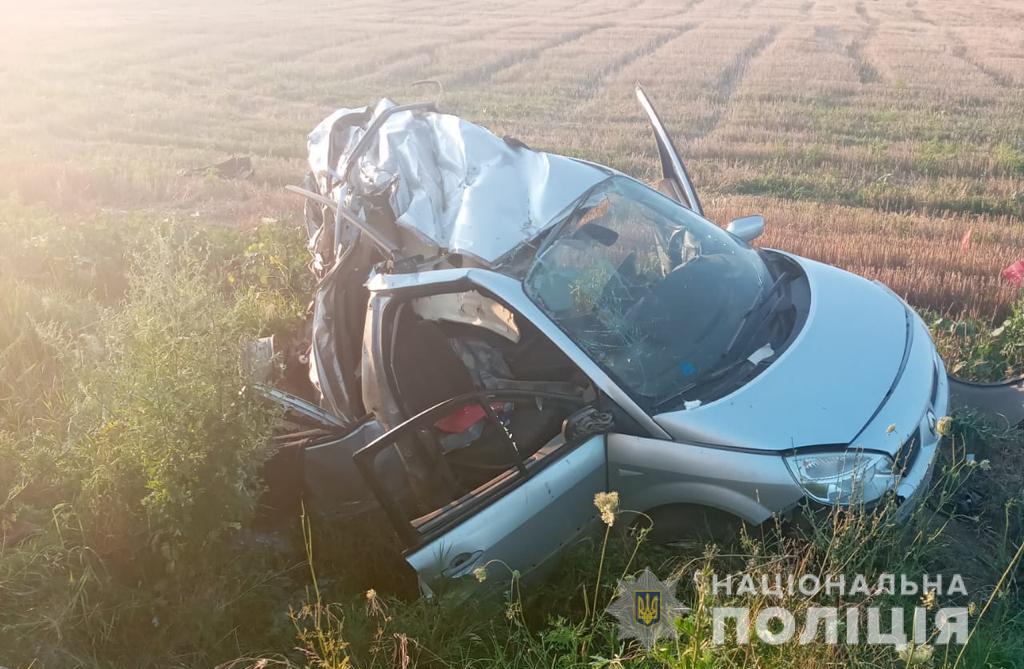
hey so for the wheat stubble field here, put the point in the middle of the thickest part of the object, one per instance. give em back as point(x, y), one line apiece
point(872, 134)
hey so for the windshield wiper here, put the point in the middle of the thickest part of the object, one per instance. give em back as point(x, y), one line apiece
point(740, 338)
point(716, 375)
point(738, 342)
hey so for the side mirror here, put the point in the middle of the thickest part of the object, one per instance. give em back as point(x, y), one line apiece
point(747, 228)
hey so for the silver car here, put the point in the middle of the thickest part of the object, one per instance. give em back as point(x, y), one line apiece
point(501, 333)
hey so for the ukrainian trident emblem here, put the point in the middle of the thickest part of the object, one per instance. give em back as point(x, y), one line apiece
point(646, 608)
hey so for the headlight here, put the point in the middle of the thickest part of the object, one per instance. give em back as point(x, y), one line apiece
point(842, 477)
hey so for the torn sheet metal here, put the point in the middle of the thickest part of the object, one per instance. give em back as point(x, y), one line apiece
point(258, 359)
point(471, 308)
point(339, 307)
point(332, 484)
point(454, 185)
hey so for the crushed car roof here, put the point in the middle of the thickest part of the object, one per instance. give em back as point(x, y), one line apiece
point(456, 186)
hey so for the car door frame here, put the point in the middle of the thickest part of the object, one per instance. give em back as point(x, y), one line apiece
point(672, 167)
point(387, 289)
point(449, 517)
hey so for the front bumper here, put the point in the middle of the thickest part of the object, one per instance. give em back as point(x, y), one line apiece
point(915, 482)
point(916, 458)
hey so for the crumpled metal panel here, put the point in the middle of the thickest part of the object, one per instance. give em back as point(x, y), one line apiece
point(456, 185)
point(471, 308)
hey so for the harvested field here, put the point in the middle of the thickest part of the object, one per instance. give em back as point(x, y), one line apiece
point(872, 134)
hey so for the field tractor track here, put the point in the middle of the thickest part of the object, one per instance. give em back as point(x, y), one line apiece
point(730, 80)
point(959, 50)
point(594, 83)
point(487, 71)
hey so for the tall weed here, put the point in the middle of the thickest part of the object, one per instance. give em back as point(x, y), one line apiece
point(131, 457)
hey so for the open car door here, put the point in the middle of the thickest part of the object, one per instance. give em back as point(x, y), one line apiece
point(474, 480)
point(672, 168)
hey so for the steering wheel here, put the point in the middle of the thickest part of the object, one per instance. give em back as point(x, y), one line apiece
point(674, 250)
point(649, 304)
point(682, 248)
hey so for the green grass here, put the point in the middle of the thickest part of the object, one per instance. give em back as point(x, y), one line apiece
point(130, 447)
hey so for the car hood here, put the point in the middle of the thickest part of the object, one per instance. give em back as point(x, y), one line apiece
point(827, 386)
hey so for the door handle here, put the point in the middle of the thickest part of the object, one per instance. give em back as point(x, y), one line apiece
point(462, 564)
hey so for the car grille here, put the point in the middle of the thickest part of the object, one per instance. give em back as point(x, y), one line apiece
point(908, 452)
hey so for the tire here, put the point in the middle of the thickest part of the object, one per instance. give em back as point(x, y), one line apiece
point(692, 525)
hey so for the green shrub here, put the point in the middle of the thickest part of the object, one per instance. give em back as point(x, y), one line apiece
point(131, 449)
point(1009, 158)
point(974, 350)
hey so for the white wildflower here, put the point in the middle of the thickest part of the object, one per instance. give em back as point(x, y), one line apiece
point(916, 656)
point(607, 503)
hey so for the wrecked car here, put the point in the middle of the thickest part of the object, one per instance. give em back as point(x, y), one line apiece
point(500, 333)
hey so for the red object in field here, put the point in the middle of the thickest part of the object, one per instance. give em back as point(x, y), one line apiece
point(1015, 273)
point(965, 241)
point(462, 419)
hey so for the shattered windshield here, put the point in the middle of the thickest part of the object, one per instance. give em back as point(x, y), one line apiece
point(654, 293)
